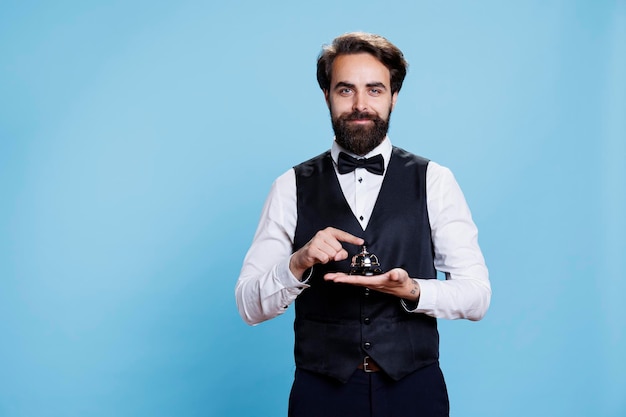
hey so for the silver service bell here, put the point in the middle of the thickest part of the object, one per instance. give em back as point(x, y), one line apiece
point(365, 263)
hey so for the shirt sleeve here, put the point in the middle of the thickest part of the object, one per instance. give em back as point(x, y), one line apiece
point(466, 290)
point(266, 286)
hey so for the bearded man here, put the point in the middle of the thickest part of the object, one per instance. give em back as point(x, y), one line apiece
point(365, 345)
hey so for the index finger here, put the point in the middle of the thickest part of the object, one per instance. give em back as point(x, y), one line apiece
point(342, 236)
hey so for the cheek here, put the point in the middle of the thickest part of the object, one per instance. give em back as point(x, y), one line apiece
point(338, 109)
point(384, 110)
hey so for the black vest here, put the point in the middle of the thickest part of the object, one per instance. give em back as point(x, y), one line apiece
point(336, 325)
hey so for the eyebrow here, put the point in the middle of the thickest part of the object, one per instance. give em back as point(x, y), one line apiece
point(342, 84)
point(376, 84)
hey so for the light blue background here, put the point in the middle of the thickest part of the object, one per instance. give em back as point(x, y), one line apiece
point(123, 221)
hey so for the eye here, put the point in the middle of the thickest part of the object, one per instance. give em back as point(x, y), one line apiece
point(376, 91)
point(345, 91)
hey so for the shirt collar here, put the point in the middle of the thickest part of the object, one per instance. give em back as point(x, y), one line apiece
point(384, 148)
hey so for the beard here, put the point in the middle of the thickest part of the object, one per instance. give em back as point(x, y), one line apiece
point(360, 139)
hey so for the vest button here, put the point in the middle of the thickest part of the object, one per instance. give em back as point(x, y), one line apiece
point(367, 345)
point(367, 291)
point(367, 320)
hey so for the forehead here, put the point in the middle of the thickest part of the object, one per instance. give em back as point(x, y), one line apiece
point(361, 68)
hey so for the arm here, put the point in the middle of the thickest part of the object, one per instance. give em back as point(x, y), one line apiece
point(271, 277)
point(466, 292)
point(266, 286)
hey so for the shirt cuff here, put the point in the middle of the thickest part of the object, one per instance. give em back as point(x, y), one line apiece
point(428, 295)
point(289, 280)
point(409, 306)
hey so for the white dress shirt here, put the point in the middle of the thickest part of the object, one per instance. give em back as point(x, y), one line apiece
point(266, 287)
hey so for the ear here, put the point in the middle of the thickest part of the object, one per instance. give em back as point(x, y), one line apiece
point(394, 98)
point(327, 97)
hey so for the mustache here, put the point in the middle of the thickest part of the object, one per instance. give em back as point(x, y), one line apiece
point(359, 115)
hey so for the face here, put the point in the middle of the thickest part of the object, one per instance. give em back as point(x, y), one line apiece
point(360, 101)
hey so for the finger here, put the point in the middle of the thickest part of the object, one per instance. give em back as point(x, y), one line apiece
point(318, 255)
point(340, 277)
point(330, 250)
point(325, 241)
point(397, 275)
point(325, 251)
point(341, 255)
point(393, 275)
point(328, 244)
point(379, 282)
point(342, 236)
point(333, 276)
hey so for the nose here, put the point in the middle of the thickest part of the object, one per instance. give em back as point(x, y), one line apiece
point(360, 102)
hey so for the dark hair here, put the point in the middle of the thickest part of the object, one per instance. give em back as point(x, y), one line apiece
point(359, 42)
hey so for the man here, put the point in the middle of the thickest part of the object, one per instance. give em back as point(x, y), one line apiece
point(365, 345)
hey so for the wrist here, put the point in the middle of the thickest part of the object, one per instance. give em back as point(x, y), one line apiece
point(414, 291)
point(297, 271)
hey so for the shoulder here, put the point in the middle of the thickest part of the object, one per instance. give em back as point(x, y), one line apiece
point(408, 157)
point(440, 181)
point(285, 181)
point(437, 171)
point(315, 164)
point(313, 161)
point(437, 175)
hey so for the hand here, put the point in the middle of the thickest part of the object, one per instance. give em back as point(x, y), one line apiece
point(323, 248)
point(395, 282)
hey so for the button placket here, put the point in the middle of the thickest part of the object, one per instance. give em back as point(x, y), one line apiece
point(359, 194)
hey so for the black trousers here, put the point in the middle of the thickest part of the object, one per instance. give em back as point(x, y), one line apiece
point(422, 393)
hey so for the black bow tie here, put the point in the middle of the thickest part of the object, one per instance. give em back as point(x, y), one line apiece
point(346, 163)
